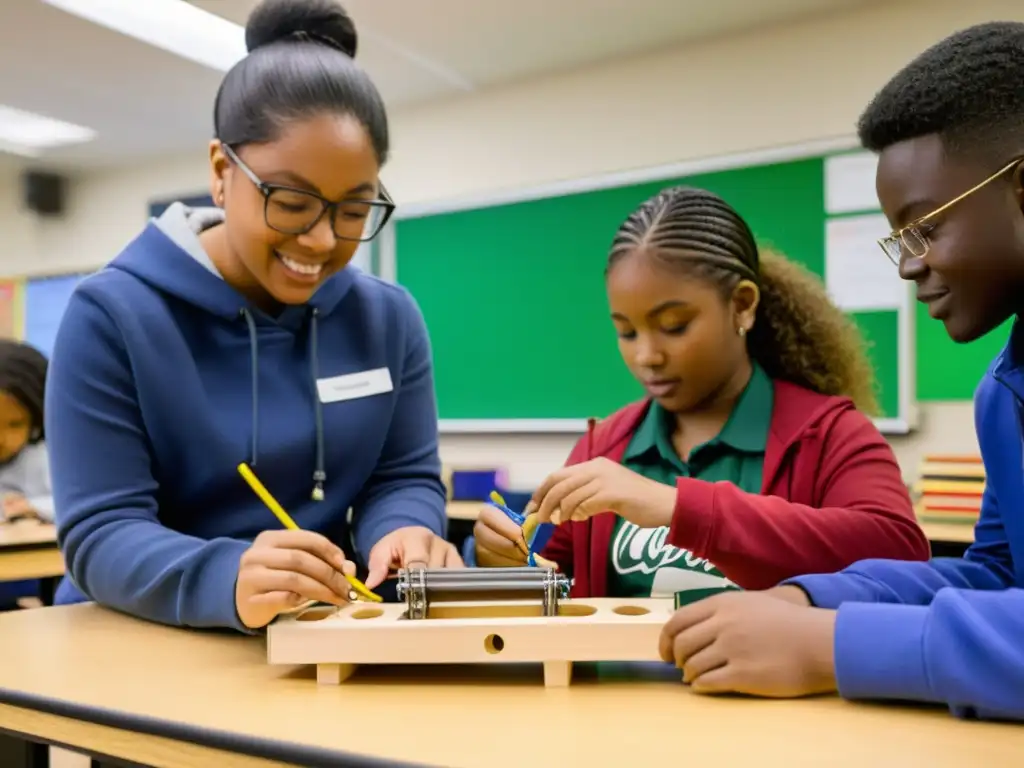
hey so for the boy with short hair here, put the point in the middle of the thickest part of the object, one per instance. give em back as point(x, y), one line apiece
point(949, 130)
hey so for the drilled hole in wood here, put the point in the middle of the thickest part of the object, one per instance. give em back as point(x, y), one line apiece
point(494, 644)
point(630, 610)
point(367, 613)
point(316, 614)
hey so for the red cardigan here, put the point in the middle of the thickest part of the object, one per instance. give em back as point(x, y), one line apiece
point(832, 494)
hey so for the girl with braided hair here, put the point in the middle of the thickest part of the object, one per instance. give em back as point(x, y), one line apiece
point(24, 466)
point(752, 458)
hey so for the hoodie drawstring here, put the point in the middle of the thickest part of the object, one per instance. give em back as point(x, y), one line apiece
point(254, 375)
point(319, 475)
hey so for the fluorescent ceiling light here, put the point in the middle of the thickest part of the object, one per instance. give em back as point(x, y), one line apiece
point(26, 133)
point(173, 25)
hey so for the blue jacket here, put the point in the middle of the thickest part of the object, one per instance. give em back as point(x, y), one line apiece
point(164, 379)
point(949, 631)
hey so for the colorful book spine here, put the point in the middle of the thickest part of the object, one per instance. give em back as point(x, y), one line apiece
point(950, 489)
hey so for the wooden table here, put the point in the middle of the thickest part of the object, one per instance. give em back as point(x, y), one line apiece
point(949, 533)
point(464, 510)
point(104, 683)
point(28, 550)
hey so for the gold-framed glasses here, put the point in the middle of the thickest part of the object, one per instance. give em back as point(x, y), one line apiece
point(913, 238)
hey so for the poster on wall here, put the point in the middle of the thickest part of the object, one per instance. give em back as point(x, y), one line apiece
point(10, 309)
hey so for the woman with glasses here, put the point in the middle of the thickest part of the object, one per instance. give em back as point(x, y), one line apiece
point(241, 334)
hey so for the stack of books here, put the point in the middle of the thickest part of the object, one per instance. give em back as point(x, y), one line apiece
point(950, 489)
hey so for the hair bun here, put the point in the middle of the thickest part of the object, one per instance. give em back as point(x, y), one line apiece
point(323, 21)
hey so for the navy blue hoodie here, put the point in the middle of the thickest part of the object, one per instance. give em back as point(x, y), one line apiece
point(164, 379)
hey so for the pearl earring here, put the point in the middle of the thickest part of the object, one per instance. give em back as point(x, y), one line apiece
point(741, 331)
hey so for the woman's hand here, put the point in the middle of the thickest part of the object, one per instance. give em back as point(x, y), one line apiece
point(580, 491)
point(408, 546)
point(283, 569)
point(499, 541)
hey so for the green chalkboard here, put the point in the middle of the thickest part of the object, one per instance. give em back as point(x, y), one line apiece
point(947, 370)
point(513, 294)
point(881, 331)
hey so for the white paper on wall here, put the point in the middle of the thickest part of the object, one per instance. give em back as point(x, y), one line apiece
point(850, 183)
point(858, 275)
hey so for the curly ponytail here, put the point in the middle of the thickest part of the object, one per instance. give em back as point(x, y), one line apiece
point(802, 337)
point(799, 335)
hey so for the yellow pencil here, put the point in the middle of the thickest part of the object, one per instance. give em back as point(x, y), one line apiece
point(286, 520)
point(528, 526)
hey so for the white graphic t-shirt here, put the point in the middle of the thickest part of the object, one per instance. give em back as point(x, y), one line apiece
point(641, 562)
point(643, 565)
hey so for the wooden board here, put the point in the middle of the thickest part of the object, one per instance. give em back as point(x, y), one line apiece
point(27, 533)
point(337, 640)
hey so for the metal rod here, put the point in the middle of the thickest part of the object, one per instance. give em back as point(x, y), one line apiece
point(470, 585)
point(481, 595)
point(476, 574)
point(422, 586)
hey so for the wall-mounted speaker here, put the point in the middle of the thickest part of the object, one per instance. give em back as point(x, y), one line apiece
point(44, 193)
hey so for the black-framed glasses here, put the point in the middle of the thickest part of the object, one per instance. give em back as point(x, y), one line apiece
point(913, 238)
point(293, 211)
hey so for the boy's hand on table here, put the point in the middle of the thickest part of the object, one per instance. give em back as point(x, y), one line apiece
point(753, 643)
point(412, 545)
point(283, 569)
point(580, 491)
point(791, 594)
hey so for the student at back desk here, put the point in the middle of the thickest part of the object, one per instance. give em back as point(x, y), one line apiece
point(949, 129)
point(749, 461)
point(243, 335)
point(24, 464)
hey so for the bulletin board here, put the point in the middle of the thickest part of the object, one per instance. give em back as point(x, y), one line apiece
point(45, 299)
point(31, 308)
point(12, 295)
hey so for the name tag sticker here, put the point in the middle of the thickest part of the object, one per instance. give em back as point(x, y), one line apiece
point(354, 385)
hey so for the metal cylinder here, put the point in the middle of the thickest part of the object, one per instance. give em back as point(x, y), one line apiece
point(422, 586)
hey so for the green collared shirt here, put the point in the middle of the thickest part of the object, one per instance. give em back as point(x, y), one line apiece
point(641, 563)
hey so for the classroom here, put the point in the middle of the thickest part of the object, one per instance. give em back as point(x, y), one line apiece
point(519, 139)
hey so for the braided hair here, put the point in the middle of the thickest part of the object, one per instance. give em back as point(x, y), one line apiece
point(799, 335)
point(23, 376)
